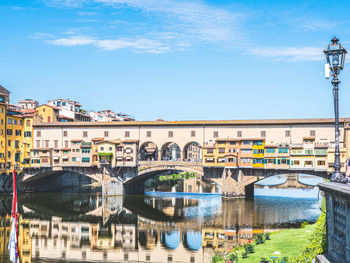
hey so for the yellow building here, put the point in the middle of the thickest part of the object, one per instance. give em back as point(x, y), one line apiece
point(47, 113)
point(15, 136)
point(28, 120)
point(14, 146)
point(258, 153)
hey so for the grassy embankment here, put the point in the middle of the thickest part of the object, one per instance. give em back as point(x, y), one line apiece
point(299, 245)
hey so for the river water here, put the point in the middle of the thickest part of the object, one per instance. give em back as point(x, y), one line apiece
point(158, 227)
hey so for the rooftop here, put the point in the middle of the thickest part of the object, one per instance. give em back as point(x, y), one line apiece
point(272, 122)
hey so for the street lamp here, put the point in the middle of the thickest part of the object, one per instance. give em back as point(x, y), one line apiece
point(335, 54)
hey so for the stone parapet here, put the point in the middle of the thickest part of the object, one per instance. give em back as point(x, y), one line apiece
point(338, 221)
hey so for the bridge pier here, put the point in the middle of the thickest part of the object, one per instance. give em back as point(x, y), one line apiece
point(136, 188)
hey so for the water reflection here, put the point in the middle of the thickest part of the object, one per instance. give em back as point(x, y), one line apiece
point(167, 228)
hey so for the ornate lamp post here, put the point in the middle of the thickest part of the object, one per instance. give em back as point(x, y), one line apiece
point(335, 54)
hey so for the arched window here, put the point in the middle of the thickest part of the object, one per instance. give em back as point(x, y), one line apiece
point(28, 123)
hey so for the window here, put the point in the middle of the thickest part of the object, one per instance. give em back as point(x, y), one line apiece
point(216, 134)
point(312, 133)
point(287, 133)
point(85, 159)
point(210, 150)
point(127, 134)
point(106, 133)
point(44, 160)
point(38, 133)
point(65, 133)
point(9, 143)
point(321, 163)
point(27, 122)
point(9, 121)
point(283, 150)
point(149, 134)
point(170, 134)
point(9, 132)
point(56, 143)
point(120, 148)
point(193, 133)
point(16, 144)
point(102, 148)
point(309, 151)
point(270, 150)
point(263, 134)
point(110, 148)
point(221, 150)
point(46, 143)
point(85, 150)
point(308, 162)
point(239, 133)
point(297, 162)
point(85, 134)
point(48, 118)
point(37, 143)
point(8, 154)
point(27, 134)
point(65, 144)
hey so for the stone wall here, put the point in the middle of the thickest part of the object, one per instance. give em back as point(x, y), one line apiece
point(338, 221)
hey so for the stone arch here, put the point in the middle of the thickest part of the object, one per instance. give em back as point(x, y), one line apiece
point(192, 151)
point(171, 151)
point(192, 240)
point(148, 151)
point(58, 180)
point(171, 240)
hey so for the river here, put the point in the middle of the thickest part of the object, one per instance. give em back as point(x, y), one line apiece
point(157, 227)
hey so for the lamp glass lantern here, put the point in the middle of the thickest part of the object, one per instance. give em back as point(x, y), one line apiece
point(335, 54)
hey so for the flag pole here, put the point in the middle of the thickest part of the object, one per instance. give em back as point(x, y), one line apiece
point(13, 242)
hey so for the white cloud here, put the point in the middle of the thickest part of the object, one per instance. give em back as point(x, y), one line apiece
point(290, 53)
point(136, 45)
point(73, 41)
point(313, 24)
point(196, 21)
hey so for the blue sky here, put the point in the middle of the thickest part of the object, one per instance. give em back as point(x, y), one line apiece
point(176, 60)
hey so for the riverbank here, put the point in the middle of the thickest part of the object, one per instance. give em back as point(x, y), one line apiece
point(298, 245)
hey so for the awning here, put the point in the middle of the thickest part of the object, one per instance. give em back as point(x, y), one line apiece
point(105, 154)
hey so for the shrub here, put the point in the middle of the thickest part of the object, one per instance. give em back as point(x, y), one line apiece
point(259, 239)
point(232, 256)
point(318, 243)
point(217, 258)
point(267, 236)
point(304, 224)
point(263, 260)
point(244, 255)
point(249, 248)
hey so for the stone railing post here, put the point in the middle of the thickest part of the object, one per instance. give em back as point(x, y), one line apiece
point(338, 221)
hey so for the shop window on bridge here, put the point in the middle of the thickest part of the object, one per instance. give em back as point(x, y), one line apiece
point(321, 163)
point(259, 142)
point(210, 150)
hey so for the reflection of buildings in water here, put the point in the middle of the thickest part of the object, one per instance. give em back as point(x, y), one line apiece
point(83, 242)
point(24, 241)
point(171, 206)
point(223, 240)
point(5, 229)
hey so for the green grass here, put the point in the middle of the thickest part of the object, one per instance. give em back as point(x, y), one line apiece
point(289, 242)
